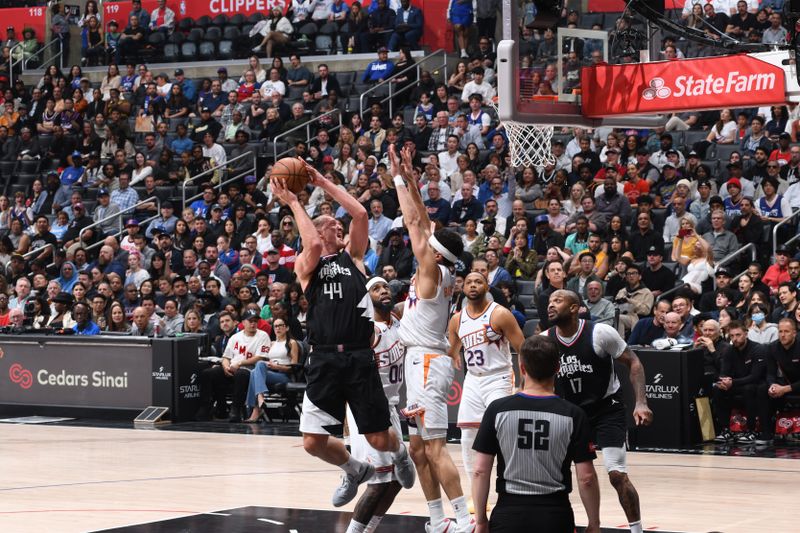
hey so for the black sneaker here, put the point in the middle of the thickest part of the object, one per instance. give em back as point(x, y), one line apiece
point(724, 436)
point(748, 437)
point(203, 415)
point(236, 416)
point(763, 439)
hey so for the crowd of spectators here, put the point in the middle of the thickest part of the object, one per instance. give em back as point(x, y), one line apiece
point(642, 224)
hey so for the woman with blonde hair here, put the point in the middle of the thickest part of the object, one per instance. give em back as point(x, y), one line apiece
point(572, 205)
point(700, 267)
point(254, 64)
point(289, 231)
point(683, 245)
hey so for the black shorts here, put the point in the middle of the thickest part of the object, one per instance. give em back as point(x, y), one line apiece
point(532, 517)
point(609, 424)
point(336, 379)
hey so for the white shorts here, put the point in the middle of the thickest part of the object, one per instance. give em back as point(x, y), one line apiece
point(361, 450)
point(478, 392)
point(429, 375)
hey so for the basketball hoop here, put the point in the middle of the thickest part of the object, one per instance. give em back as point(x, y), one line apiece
point(529, 144)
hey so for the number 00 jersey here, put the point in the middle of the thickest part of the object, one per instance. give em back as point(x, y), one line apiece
point(485, 350)
point(390, 355)
point(339, 306)
point(587, 363)
point(425, 321)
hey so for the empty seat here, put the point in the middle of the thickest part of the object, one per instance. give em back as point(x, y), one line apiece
point(225, 49)
point(213, 34)
point(30, 166)
point(176, 37)
point(530, 327)
point(525, 287)
point(323, 44)
point(172, 52)
point(237, 20)
point(220, 21)
point(195, 35)
point(207, 50)
point(203, 22)
point(231, 33)
point(189, 50)
point(186, 24)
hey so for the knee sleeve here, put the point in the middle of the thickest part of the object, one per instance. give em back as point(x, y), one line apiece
point(614, 460)
point(467, 454)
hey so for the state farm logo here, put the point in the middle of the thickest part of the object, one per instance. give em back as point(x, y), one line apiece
point(20, 376)
point(657, 89)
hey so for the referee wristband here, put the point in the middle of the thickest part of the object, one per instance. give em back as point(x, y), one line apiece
point(398, 181)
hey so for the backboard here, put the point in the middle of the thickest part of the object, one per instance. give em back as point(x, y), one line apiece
point(545, 88)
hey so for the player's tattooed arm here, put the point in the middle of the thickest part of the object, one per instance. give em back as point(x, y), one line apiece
point(642, 414)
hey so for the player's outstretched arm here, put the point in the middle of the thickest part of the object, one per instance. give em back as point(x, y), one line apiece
point(418, 224)
point(642, 414)
point(359, 226)
point(480, 489)
point(503, 322)
point(589, 489)
point(455, 341)
point(407, 171)
point(308, 259)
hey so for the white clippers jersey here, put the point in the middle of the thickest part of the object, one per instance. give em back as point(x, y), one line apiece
point(485, 350)
point(425, 321)
point(390, 355)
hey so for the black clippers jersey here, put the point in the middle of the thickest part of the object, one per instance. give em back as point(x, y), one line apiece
point(339, 306)
point(585, 377)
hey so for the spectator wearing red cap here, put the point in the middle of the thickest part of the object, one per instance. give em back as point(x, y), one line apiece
point(779, 272)
point(733, 202)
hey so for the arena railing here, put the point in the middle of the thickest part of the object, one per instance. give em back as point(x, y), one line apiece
point(307, 126)
point(40, 53)
point(120, 220)
point(786, 220)
point(191, 180)
point(673, 290)
point(751, 247)
point(440, 53)
point(37, 251)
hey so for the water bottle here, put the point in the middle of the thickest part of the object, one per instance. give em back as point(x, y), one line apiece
point(183, 8)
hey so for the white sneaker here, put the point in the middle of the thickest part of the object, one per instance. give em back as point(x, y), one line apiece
point(470, 528)
point(256, 48)
point(404, 469)
point(444, 527)
point(348, 489)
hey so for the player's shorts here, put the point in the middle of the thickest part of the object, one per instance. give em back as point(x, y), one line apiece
point(479, 391)
point(532, 514)
point(609, 424)
point(361, 450)
point(461, 14)
point(428, 377)
point(335, 379)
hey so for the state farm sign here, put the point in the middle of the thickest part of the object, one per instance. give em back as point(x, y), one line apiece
point(690, 84)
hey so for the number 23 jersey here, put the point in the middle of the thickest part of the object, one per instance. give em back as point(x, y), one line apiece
point(486, 351)
point(339, 306)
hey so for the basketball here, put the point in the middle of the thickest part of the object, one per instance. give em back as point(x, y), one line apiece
point(293, 171)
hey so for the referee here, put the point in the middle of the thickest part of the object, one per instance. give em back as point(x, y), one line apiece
point(536, 436)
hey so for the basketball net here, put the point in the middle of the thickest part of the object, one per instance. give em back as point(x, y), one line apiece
point(529, 144)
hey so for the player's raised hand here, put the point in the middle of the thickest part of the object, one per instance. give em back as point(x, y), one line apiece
point(408, 164)
point(280, 191)
point(642, 415)
point(314, 176)
point(394, 161)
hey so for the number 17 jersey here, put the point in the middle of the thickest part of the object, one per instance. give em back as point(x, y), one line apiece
point(485, 350)
point(339, 306)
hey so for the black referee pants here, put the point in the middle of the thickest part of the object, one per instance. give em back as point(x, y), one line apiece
point(545, 517)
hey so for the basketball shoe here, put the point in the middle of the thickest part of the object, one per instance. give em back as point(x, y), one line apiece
point(348, 489)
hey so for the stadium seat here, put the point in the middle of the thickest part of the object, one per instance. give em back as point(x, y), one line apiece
point(30, 166)
point(213, 34)
point(172, 53)
point(724, 152)
point(525, 287)
point(530, 327)
point(203, 22)
point(231, 32)
point(528, 300)
point(7, 168)
point(255, 18)
point(207, 50)
point(186, 24)
point(323, 44)
point(225, 49)
point(176, 37)
point(588, 19)
point(188, 50)
point(237, 20)
point(195, 35)
point(220, 21)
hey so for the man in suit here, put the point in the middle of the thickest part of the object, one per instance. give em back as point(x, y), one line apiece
point(324, 84)
point(407, 27)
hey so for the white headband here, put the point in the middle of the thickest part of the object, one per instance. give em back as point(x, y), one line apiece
point(374, 281)
point(439, 247)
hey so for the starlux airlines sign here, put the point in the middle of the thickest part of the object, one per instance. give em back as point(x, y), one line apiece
point(689, 84)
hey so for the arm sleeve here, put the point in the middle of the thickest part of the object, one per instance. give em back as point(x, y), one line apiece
point(772, 369)
point(608, 340)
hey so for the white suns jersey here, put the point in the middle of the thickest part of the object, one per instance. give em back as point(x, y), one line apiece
point(425, 321)
point(390, 355)
point(485, 350)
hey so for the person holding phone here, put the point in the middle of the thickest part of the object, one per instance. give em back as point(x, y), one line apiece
point(684, 242)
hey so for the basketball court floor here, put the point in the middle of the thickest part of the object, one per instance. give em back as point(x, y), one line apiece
point(66, 478)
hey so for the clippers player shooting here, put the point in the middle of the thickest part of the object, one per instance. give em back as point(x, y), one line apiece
point(341, 368)
point(390, 356)
point(536, 436)
point(587, 379)
point(484, 329)
point(429, 370)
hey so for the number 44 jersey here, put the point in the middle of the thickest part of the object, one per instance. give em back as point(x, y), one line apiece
point(339, 306)
point(485, 350)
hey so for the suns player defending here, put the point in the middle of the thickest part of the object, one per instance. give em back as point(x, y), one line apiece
point(587, 379)
point(341, 368)
point(429, 371)
point(390, 356)
point(484, 329)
